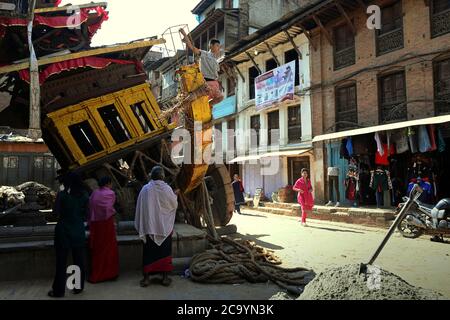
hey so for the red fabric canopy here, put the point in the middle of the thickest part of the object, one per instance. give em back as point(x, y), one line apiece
point(73, 21)
point(92, 62)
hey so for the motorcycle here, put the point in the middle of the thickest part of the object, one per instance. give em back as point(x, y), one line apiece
point(424, 218)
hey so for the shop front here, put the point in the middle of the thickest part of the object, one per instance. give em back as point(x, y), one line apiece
point(378, 166)
point(274, 172)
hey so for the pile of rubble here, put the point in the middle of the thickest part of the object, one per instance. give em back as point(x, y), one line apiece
point(21, 205)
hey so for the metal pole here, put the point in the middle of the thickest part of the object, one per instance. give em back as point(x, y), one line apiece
point(35, 110)
point(415, 193)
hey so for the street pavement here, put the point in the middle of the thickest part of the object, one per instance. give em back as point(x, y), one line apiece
point(327, 244)
point(318, 246)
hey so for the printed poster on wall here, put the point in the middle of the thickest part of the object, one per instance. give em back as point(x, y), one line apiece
point(275, 86)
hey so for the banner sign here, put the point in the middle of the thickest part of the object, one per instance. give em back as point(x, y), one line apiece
point(275, 86)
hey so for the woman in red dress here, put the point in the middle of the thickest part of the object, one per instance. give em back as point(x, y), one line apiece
point(305, 197)
point(102, 237)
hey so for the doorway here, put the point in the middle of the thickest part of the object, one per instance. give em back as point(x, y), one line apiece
point(295, 168)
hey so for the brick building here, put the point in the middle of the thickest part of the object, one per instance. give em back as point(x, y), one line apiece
point(366, 81)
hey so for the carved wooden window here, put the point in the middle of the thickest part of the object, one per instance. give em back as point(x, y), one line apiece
point(440, 17)
point(115, 124)
point(346, 108)
point(255, 126)
point(393, 98)
point(344, 49)
point(442, 86)
point(390, 37)
point(271, 64)
point(274, 127)
point(141, 116)
point(85, 138)
point(294, 124)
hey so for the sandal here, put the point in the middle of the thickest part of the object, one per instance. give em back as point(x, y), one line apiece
point(166, 282)
point(144, 283)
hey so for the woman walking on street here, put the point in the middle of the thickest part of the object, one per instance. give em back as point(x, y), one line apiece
point(71, 207)
point(102, 233)
point(305, 197)
point(238, 189)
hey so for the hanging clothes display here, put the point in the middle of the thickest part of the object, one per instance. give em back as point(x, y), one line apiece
point(432, 134)
point(441, 142)
point(412, 136)
point(350, 147)
point(380, 183)
point(379, 144)
point(366, 193)
point(351, 186)
point(424, 140)
point(383, 159)
point(400, 138)
point(343, 151)
point(427, 187)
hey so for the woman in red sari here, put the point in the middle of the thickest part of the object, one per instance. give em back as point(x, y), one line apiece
point(102, 238)
point(305, 197)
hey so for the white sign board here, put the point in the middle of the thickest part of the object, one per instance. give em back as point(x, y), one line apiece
point(275, 86)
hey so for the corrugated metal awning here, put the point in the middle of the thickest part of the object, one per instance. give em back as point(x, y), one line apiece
point(385, 127)
point(277, 154)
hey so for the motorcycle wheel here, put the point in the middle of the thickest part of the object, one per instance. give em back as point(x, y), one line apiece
point(409, 231)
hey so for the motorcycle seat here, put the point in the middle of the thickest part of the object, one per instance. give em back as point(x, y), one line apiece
point(425, 205)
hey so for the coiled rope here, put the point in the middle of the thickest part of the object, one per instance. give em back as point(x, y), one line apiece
point(237, 262)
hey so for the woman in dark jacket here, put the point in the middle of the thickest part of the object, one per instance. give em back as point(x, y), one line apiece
point(71, 207)
point(238, 189)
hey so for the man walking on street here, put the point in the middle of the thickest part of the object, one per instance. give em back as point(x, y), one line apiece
point(209, 67)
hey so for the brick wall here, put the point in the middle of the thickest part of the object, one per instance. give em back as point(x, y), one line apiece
point(416, 59)
point(412, 58)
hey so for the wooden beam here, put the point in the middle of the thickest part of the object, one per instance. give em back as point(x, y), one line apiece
point(83, 54)
point(72, 7)
point(229, 73)
point(307, 35)
point(300, 56)
point(272, 53)
point(253, 61)
point(239, 72)
point(347, 18)
point(322, 28)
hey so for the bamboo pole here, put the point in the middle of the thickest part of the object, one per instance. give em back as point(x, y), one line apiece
point(35, 90)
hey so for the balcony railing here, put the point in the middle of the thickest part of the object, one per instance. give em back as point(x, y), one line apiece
point(443, 104)
point(440, 23)
point(394, 112)
point(344, 58)
point(390, 41)
point(346, 120)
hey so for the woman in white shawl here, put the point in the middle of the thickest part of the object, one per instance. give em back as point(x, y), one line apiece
point(155, 219)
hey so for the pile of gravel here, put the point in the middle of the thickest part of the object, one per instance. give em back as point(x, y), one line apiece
point(345, 283)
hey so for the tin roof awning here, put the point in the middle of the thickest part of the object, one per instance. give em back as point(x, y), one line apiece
point(276, 154)
point(385, 127)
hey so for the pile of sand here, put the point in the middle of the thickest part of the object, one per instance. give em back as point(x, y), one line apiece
point(345, 283)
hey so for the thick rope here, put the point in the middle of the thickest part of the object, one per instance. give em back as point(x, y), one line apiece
point(233, 262)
